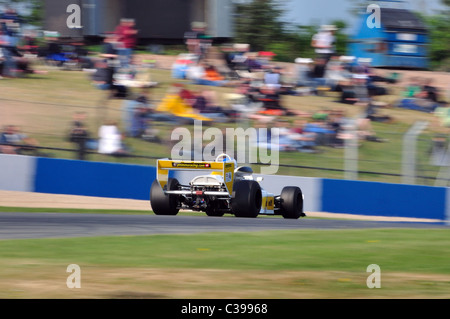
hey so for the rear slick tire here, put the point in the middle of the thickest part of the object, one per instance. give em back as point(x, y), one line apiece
point(164, 204)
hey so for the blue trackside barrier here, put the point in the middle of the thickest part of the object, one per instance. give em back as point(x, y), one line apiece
point(111, 180)
point(382, 199)
point(58, 176)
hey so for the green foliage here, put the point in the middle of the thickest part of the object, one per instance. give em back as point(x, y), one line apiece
point(341, 37)
point(37, 10)
point(37, 13)
point(439, 46)
point(259, 24)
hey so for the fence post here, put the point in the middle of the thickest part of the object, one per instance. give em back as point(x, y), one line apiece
point(447, 206)
point(443, 176)
point(409, 152)
point(351, 152)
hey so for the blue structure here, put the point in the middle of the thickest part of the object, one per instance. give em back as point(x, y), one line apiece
point(399, 41)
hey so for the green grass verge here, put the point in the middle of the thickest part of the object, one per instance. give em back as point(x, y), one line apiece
point(403, 250)
point(270, 264)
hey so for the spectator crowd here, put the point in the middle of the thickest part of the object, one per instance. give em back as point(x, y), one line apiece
point(259, 84)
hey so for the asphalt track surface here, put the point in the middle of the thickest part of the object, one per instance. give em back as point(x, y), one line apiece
point(63, 225)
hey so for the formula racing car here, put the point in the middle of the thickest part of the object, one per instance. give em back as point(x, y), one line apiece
point(225, 189)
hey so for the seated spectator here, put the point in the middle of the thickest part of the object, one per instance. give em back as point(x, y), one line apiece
point(371, 113)
point(136, 76)
point(337, 123)
point(319, 126)
point(204, 74)
point(136, 114)
point(103, 76)
point(242, 102)
point(206, 103)
point(442, 114)
point(177, 106)
point(252, 63)
point(212, 74)
point(303, 72)
point(265, 58)
point(318, 69)
point(188, 96)
point(361, 126)
point(271, 100)
point(420, 96)
point(430, 92)
point(23, 64)
point(12, 141)
point(111, 140)
point(412, 89)
point(103, 79)
point(52, 51)
point(2, 61)
point(237, 57)
point(305, 141)
point(317, 75)
point(8, 64)
point(109, 49)
point(272, 78)
point(365, 65)
point(356, 91)
point(363, 68)
point(366, 132)
point(288, 140)
point(336, 74)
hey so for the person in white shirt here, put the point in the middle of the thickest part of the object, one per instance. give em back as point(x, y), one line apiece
point(324, 41)
point(110, 140)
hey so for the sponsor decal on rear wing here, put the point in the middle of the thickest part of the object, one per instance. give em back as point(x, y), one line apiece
point(225, 169)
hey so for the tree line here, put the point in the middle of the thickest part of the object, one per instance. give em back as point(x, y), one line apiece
point(259, 23)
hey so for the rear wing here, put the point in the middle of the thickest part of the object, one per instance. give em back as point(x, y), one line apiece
point(225, 169)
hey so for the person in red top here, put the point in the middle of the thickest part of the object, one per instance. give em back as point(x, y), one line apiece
point(127, 37)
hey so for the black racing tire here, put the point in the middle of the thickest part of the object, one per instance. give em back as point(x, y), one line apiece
point(164, 204)
point(214, 212)
point(291, 202)
point(214, 208)
point(246, 199)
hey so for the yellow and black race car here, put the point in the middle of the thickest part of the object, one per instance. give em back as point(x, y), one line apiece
point(225, 189)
